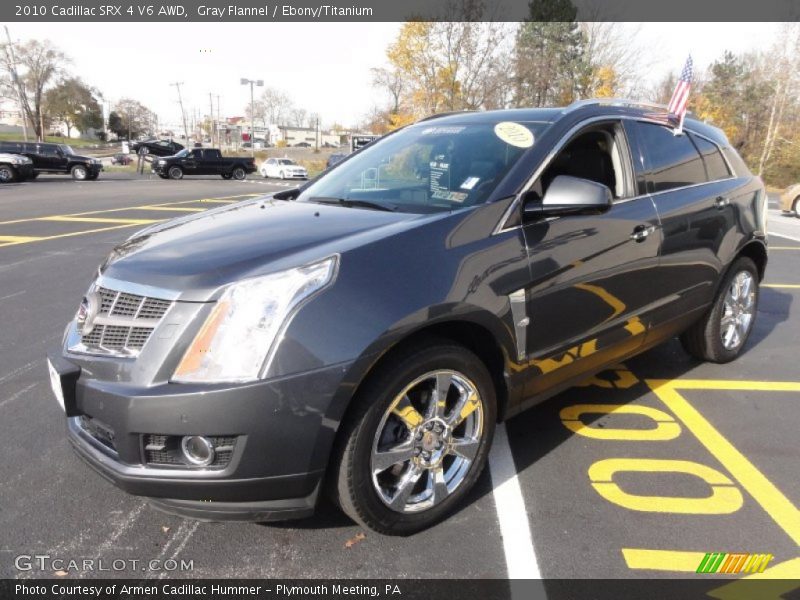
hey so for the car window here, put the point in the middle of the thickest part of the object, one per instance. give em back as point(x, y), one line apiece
point(286, 161)
point(598, 154)
point(673, 160)
point(47, 150)
point(716, 167)
point(429, 167)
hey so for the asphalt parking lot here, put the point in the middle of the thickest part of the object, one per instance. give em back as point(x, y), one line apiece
point(639, 472)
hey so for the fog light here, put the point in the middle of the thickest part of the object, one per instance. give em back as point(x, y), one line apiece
point(198, 450)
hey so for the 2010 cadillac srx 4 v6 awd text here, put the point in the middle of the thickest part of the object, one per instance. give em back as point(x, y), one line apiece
point(361, 335)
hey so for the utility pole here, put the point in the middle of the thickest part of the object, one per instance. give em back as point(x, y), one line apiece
point(178, 85)
point(12, 59)
point(219, 131)
point(259, 83)
point(213, 127)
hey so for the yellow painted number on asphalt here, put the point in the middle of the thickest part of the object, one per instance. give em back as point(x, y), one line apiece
point(665, 426)
point(724, 498)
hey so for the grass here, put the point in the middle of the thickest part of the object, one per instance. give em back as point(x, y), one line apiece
point(74, 142)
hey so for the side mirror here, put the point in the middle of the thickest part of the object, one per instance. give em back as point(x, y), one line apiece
point(568, 195)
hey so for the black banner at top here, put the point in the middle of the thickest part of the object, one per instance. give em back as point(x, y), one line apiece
point(266, 11)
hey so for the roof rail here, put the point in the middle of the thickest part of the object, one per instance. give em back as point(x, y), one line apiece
point(578, 104)
point(444, 114)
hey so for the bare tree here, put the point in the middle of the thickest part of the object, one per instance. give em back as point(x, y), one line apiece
point(299, 117)
point(34, 66)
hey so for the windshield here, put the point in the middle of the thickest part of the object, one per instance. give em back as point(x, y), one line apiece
point(285, 161)
point(182, 153)
point(429, 168)
point(67, 150)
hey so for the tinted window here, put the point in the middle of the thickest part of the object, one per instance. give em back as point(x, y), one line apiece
point(48, 150)
point(715, 164)
point(673, 161)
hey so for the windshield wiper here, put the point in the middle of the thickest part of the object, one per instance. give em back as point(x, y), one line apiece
point(353, 203)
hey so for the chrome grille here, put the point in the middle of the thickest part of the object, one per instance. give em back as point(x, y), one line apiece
point(124, 322)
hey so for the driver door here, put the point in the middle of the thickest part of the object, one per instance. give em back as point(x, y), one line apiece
point(590, 298)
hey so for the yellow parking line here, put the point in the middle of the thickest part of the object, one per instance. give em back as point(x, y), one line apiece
point(788, 286)
point(71, 234)
point(219, 201)
point(172, 208)
point(777, 506)
point(98, 220)
point(662, 560)
point(109, 210)
point(6, 240)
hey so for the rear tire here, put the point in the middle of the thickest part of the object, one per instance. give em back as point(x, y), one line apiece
point(79, 173)
point(723, 331)
point(175, 173)
point(239, 174)
point(395, 412)
point(226, 175)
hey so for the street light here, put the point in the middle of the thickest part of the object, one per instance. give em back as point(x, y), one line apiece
point(259, 83)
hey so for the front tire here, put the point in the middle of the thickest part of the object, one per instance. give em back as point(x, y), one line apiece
point(239, 174)
point(7, 174)
point(79, 173)
point(175, 173)
point(282, 175)
point(797, 207)
point(417, 439)
point(722, 333)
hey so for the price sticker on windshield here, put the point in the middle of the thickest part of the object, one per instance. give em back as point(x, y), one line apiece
point(514, 134)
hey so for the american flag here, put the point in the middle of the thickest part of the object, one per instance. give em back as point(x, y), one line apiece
point(677, 106)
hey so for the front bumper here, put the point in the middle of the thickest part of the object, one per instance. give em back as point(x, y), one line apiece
point(276, 467)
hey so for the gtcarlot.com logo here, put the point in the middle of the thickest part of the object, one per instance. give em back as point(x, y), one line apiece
point(733, 562)
point(46, 562)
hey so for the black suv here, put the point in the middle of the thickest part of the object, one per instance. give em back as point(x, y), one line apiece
point(368, 329)
point(156, 147)
point(55, 158)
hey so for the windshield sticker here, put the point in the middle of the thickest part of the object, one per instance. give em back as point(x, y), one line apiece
point(451, 196)
point(442, 130)
point(440, 173)
point(470, 182)
point(514, 134)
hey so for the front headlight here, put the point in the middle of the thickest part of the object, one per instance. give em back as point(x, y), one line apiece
point(162, 162)
point(239, 337)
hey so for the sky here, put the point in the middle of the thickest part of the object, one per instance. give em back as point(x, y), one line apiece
point(324, 67)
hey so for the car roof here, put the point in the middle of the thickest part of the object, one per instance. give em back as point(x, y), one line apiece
point(611, 107)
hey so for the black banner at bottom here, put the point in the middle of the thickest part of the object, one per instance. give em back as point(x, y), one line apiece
point(401, 589)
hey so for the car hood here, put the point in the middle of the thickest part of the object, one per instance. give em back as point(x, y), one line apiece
point(196, 255)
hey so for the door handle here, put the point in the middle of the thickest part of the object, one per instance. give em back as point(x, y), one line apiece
point(641, 232)
point(721, 202)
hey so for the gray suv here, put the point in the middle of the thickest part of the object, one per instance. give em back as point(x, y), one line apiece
point(361, 335)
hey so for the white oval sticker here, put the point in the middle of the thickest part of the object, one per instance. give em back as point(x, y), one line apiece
point(514, 134)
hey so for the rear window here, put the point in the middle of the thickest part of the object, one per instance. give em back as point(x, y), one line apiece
point(673, 160)
point(716, 166)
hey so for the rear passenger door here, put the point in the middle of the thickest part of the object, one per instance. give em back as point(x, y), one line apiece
point(692, 195)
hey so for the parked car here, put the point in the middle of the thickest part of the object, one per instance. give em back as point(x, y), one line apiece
point(362, 335)
point(121, 159)
point(203, 161)
point(302, 145)
point(333, 159)
point(55, 158)
point(283, 168)
point(790, 200)
point(156, 147)
point(15, 167)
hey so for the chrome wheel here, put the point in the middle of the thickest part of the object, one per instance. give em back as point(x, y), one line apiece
point(6, 174)
point(79, 173)
point(738, 310)
point(427, 441)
